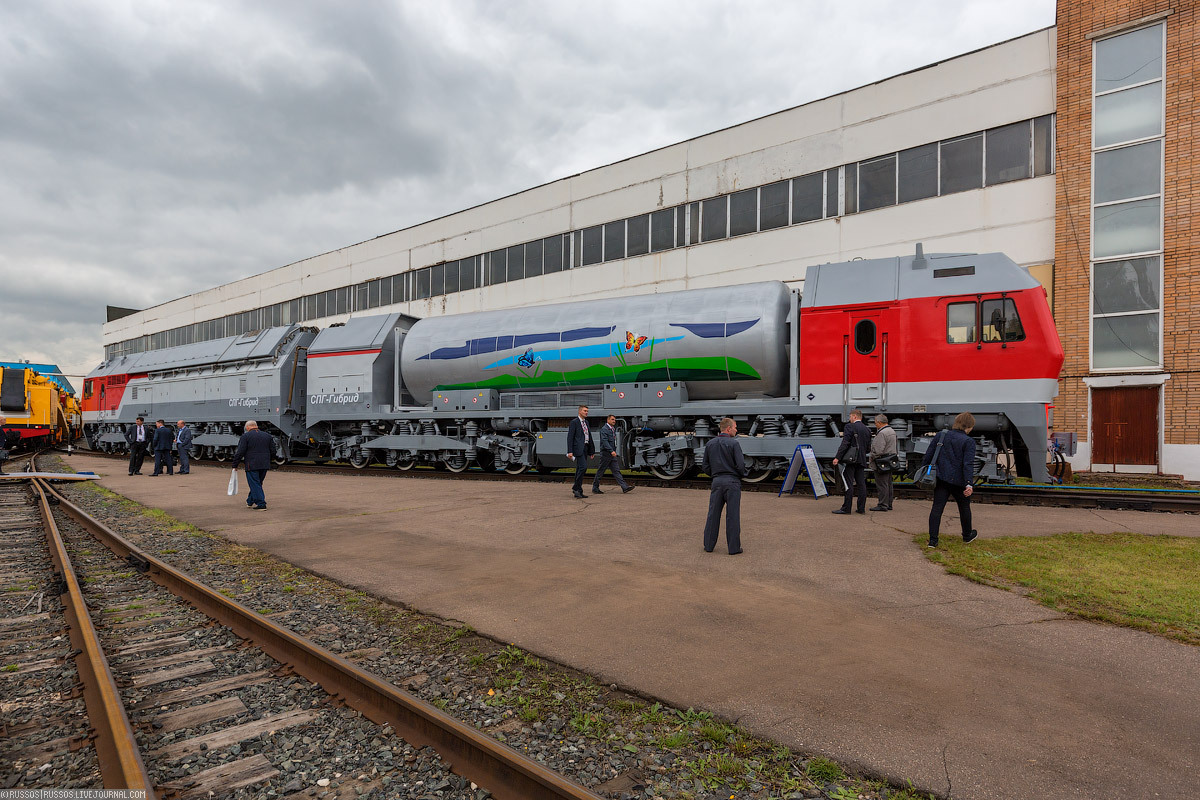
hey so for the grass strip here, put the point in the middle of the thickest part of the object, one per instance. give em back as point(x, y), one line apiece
point(1130, 579)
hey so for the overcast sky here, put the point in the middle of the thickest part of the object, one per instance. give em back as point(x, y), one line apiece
point(152, 149)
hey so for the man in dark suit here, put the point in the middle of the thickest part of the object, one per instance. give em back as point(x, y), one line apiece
point(723, 460)
point(856, 438)
point(163, 439)
point(255, 448)
point(183, 442)
point(138, 437)
point(580, 448)
point(608, 456)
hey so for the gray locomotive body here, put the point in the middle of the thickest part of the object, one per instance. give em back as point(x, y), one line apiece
point(213, 386)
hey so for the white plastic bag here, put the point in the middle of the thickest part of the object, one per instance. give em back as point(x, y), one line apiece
point(232, 483)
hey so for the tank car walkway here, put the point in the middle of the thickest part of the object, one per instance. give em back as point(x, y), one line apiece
point(831, 634)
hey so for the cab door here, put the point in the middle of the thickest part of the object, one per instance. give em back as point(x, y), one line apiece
point(864, 349)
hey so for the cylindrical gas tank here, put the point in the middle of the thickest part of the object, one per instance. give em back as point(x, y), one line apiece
point(721, 342)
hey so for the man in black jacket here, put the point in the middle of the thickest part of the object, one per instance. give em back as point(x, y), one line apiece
point(580, 448)
point(856, 438)
point(255, 448)
point(608, 456)
point(163, 440)
point(723, 460)
point(138, 438)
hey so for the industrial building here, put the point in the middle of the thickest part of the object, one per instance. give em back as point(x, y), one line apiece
point(1069, 149)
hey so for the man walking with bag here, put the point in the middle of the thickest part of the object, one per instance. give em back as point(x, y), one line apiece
point(608, 456)
point(852, 455)
point(255, 448)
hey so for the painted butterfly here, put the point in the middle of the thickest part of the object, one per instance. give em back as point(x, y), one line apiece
point(634, 343)
point(526, 358)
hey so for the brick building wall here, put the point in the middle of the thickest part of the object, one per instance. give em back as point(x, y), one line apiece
point(1077, 19)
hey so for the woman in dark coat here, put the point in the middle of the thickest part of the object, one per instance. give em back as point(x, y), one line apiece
point(955, 473)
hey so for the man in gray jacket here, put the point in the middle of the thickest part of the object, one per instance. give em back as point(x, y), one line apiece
point(883, 460)
point(608, 456)
point(183, 442)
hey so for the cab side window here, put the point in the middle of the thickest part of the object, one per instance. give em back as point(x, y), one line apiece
point(864, 336)
point(960, 323)
point(1001, 322)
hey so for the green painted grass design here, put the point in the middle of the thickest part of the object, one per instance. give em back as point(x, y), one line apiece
point(676, 369)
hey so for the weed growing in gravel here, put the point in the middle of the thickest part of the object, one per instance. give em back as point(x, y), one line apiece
point(11, 667)
point(676, 740)
point(822, 770)
point(589, 724)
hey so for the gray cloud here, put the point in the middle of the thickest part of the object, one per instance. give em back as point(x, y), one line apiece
point(153, 149)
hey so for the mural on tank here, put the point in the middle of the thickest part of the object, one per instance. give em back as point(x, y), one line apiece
point(627, 358)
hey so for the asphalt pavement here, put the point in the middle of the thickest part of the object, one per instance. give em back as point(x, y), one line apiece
point(830, 634)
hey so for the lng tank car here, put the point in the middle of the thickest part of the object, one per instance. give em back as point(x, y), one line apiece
point(919, 338)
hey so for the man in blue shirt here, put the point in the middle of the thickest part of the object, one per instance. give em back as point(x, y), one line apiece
point(723, 460)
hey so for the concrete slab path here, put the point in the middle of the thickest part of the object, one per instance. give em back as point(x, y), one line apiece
point(829, 634)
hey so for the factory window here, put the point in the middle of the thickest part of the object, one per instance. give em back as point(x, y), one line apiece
point(593, 245)
point(681, 225)
point(495, 272)
point(310, 308)
point(322, 311)
point(850, 188)
point(552, 246)
point(806, 198)
point(743, 212)
point(468, 273)
point(343, 300)
point(917, 170)
point(1008, 153)
point(515, 270)
point(773, 206)
point(614, 240)
point(877, 183)
point(864, 336)
point(693, 225)
point(360, 297)
point(638, 232)
point(1043, 145)
point(373, 291)
point(421, 285)
point(451, 279)
point(831, 193)
point(662, 230)
point(714, 219)
point(437, 280)
point(960, 323)
point(962, 164)
point(385, 291)
point(1127, 176)
point(533, 259)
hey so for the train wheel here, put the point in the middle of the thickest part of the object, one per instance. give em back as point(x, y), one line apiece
point(220, 455)
point(404, 463)
point(675, 468)
point(279, 461)
point(360, 460)
point(456, 463)
point(758, 475)
point(515, 469)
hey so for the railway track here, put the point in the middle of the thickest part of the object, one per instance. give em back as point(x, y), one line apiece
point(190, 694)
point(1172, 501)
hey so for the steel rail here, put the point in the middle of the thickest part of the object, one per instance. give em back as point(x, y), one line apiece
point(121, 764)
point(474, 755)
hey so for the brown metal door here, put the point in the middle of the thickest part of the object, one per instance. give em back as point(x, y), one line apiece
point(1125, 425)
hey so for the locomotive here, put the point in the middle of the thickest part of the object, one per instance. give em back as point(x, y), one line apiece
point(38, 408)
point(919, 338)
